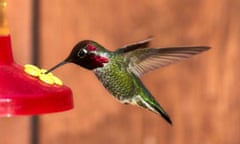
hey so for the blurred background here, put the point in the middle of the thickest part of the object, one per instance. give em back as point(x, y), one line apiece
point(200, 94)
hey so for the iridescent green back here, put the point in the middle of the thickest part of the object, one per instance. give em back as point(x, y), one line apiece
point(116, 78)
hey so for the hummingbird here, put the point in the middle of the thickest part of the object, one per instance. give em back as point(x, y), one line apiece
point(120, 70)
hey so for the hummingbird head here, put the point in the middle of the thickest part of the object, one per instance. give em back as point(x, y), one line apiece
point(86, 53)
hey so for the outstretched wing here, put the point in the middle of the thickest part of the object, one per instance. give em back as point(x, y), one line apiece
point(143, 60)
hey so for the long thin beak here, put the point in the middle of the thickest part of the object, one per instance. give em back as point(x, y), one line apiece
point(56, 66)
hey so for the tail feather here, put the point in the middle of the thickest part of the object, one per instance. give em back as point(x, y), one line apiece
point(151, 104)
point(163, 114)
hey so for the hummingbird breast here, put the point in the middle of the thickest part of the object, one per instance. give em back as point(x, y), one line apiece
point(116, 78)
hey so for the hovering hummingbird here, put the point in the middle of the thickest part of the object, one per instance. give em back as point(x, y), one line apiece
point(120, 70)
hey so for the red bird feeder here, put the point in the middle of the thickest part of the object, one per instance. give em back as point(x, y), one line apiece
point(20, 93)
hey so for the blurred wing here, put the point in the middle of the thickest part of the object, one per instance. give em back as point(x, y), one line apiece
point(137, 45)
point(144, 60)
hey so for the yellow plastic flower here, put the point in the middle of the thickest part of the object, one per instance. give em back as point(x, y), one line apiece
point(40, 73)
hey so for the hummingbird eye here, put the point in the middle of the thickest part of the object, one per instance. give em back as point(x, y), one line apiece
point(82, 53)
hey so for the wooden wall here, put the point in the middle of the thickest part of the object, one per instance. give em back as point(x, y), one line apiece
point(201, 94)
